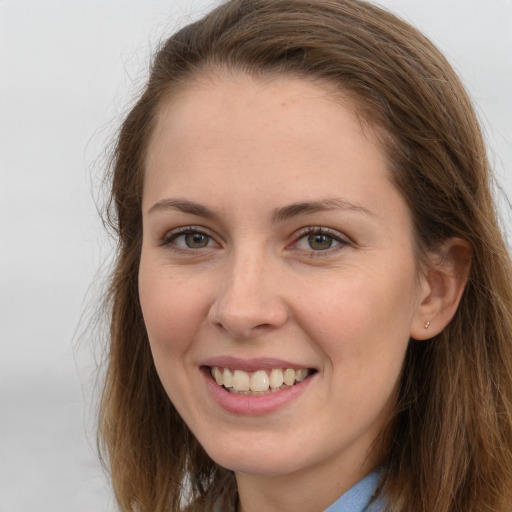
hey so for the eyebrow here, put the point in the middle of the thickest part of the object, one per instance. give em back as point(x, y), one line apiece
point(278, 215)
point(307, 207)
point(183, 205)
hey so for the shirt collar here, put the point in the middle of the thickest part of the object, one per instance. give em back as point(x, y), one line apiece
point(357, 498)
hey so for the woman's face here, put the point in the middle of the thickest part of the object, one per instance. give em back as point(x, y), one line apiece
point(276, 250)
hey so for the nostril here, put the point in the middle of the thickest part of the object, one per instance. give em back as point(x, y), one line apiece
point(246, 321)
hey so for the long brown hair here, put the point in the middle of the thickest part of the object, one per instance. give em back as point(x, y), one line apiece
point(451, 436)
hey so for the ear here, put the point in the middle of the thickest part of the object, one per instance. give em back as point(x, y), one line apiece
point(442, 284)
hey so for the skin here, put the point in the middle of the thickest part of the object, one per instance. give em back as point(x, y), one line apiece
point(244, 148)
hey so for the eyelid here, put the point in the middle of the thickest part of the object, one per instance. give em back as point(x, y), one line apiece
point(171, 235)
point(343, 240)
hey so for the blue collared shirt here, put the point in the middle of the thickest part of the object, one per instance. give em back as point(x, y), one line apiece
point(357, 498)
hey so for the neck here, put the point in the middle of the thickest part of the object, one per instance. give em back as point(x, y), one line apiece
point(300, 491)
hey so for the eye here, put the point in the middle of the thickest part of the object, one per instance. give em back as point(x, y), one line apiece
point(189, 238)
point(319, 239)
point(194, 240)
point(319, 242)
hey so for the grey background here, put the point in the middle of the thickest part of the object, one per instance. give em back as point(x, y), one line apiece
point(68, 71)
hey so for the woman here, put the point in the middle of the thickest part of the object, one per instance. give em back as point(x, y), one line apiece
point(310, 308)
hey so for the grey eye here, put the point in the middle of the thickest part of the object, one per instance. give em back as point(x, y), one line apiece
point(320, 242)
point(190, 240)
point(196, 240)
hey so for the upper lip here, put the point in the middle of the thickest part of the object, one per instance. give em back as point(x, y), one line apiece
point(251, 365)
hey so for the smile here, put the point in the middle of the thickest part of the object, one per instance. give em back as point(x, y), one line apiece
point(259, 382)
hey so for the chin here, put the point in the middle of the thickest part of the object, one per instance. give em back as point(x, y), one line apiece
point(257, 466)
point(258, 460)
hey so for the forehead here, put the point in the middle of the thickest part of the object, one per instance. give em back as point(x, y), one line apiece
point(252, 101)
point(245, 148)
point(260, 117)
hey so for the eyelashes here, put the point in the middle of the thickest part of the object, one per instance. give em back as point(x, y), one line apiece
point(318, 239)
point(315, 240)
point(189, 238)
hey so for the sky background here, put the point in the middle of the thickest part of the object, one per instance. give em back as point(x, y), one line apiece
point(69, 69)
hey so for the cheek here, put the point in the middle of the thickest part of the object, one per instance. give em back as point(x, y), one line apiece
point(171, 308)
point(362, 324)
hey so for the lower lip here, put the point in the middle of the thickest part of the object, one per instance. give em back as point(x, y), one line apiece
point(253, 405)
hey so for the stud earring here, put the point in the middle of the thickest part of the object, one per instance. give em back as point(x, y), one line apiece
point(427, 324)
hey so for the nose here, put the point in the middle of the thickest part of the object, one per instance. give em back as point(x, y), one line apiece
point(250, 300)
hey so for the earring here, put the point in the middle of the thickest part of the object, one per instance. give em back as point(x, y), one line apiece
point(427, 324)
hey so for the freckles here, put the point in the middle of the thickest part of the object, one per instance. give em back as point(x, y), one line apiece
point(174, 307)
point(169, 325)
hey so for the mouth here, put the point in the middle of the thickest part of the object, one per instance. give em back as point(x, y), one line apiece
point(259, 382)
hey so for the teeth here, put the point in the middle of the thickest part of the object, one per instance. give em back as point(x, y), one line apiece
point(301, 374)
point(289, 377)
point(241, 381)
point(259, 382)
point(217, 375)
point(227, 377)
point(276, 378)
